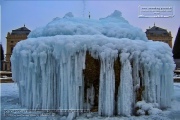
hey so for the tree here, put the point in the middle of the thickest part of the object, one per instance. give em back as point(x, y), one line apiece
point(2, 52)
point(2, 56)
point(176, 48)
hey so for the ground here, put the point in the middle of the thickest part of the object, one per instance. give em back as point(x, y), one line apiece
point(9, 100)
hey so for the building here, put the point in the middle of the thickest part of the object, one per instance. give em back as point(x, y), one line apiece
point(176, 50)
point(159, 34)
point(11, 40)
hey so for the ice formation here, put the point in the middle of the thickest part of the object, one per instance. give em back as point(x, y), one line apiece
point(48, 66)
point(147, 108)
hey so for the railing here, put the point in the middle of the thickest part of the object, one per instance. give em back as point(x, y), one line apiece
point(177, 75)
point(5, 77)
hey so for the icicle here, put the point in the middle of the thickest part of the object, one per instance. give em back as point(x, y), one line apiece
point(107, 87)
point(49, 74)
point(125, 92)
point(136, 79)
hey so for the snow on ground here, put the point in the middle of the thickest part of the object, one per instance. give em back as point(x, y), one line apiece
point(9, 100)
point(9, 89)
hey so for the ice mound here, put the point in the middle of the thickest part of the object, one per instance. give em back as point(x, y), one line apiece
point(68, 15)
point(112, 26)
point(48, 67)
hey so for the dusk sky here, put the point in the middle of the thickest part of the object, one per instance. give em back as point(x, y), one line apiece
point(16, 13)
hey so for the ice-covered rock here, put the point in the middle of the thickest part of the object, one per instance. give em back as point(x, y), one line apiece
point(147, 108)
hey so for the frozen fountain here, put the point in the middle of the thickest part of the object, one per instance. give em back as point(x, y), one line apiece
point(105, 65)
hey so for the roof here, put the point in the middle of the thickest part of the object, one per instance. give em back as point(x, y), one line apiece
point(157, 31)
point(22, 30)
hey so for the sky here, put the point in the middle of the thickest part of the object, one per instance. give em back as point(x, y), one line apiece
point(15, 13)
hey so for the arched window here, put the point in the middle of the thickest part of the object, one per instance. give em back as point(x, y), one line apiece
point(5, 67)
point(12, 49)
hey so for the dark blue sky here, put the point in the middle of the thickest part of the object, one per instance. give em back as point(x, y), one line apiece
point(16, 13)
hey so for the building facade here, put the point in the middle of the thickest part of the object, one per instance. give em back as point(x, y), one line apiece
point(11, 40)
point(159, 34)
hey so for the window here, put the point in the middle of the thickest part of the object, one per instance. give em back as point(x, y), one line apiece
point(12, 49)
point(5, 67)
